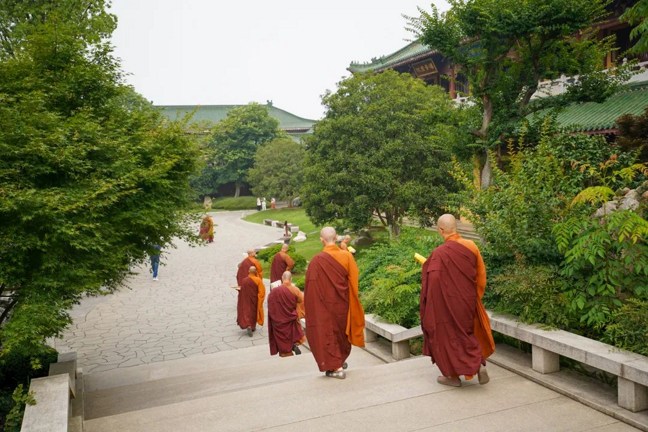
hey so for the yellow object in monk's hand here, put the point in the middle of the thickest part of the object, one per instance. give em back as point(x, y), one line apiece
point(420, 258)
point(351, 249)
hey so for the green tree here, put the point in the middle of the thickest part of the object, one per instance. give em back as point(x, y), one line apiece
point(278, 169)
point(504, 47)
point(235, 141)
point(91, 176)
point(383, 149)
point(637, 15)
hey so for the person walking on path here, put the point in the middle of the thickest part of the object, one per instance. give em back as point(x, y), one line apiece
point(281, 262)
point(456, 329)
point(263, 204)
point(335, 318)
point(244, 266)
point(284, 330)
point(155, 260)
point(249, 307)
point(258, 203)
point(273, 203)
point(207, 229)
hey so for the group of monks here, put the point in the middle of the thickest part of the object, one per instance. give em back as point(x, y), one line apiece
point(455, 325)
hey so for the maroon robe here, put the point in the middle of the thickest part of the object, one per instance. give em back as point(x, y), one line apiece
point(279, 266)
point(284, 329)
point(246, 307)
point(326, 298)
point(243, 270)
point(448, 307)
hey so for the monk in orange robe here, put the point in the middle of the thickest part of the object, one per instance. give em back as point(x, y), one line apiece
point(243, 267)
point(284, 330)
point(281, 262)
point(249, 308)
point(456, 328)
point(335, 318)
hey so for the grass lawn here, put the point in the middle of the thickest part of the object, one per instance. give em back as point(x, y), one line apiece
point(296, 216)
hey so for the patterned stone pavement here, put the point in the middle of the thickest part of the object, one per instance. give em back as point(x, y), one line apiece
point(190, 311)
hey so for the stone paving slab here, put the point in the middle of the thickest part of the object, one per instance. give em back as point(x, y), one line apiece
point(190, 311)
point(402, 396)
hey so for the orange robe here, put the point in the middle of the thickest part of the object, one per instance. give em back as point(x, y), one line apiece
point(260, 298)
point(249, 307)
point(335, 318)
point(482, 330)
point(244, 269)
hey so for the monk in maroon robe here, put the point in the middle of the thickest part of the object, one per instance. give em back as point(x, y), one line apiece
point(249, 307)
point(244, 266)
point(455, 325)
point(281, 262)
point(334, 315)
point(284, 330)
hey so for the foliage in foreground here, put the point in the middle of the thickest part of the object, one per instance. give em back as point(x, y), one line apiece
point(92, 176)
point(390, 278)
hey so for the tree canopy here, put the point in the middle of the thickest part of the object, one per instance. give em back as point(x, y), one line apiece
point(278, 169)
point(637, 15)
point(381, 150)
point(91, 176)
point(235, 141)
point(505, 47)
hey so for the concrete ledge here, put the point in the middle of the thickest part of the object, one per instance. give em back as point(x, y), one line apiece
point(59, 399)
point(267, 222)
point(52, 410)
point(547, 347)
point(376, 326)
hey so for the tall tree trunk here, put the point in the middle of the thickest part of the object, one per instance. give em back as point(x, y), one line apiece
point(237, 192)
point(483, 133)
point(486, 173)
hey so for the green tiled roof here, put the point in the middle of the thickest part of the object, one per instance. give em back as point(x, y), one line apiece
point(593, 117)
point(216, 113)
point(408, 52)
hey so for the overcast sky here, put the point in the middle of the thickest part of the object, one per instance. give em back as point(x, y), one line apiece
point(212, 52)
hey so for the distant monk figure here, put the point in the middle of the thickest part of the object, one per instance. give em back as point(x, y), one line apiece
point(249, 308)
point(284, 330)
point(244, 266)
point(456, 329)
point(334, 315)
point(281, 263)
point(344, 244)
point(207, 229)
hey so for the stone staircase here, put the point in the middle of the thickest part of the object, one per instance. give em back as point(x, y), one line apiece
point(248, 390)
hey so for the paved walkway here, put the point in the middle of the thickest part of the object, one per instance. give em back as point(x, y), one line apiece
point(190, 311)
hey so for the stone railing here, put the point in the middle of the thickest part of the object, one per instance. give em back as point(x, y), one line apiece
point(547, 346)
point(59, 399)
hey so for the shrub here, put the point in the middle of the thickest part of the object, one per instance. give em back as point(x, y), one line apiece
point(390, 278)
point(628, 328)
point(535, 294)
point(231, 203)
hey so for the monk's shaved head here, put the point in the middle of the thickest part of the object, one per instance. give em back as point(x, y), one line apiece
point(328, 235)
point(251, 252)
point(253, 270)
point(284, 247)
point(447, 224)
point(286, 276)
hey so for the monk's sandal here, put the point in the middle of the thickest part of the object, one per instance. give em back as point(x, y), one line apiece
point(482, 375)
point(339, 374)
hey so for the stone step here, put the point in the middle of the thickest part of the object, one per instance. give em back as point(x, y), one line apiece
point(402, 396)
point(189, 380)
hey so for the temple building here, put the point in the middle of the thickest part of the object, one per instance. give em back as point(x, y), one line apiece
point(592, 118)
point(293, 125)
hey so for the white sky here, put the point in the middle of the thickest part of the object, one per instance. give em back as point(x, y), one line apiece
point(211, 52)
